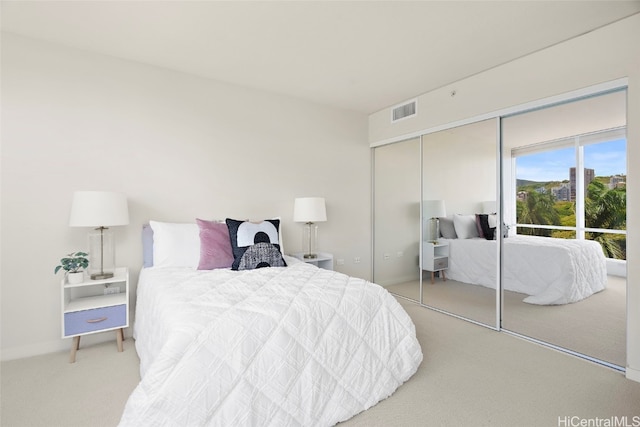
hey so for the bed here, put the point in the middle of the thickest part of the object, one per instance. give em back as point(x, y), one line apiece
point(551, 271)
point(288, 345)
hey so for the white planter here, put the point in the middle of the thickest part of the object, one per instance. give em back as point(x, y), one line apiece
point(75, 278)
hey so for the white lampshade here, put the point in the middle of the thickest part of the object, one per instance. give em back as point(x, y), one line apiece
point(309, 209)
point(433, 208)
point(489, 207)
point(98, 209)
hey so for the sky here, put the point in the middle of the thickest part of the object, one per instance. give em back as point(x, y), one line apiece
point(608, 158)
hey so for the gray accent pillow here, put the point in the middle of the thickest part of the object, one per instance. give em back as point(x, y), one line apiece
point(447, 229)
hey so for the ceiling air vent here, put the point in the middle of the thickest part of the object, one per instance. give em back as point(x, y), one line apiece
point(404, 111)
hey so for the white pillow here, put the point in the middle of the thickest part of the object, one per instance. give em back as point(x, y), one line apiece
point(465, 226)
point(492, 220)
point(175, 244)
point(280, 234)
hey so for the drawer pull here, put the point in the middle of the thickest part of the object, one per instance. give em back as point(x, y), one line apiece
point(98, 320)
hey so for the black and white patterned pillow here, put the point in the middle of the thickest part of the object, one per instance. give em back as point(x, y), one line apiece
point(487, 224)
point(255, 245)
point(484, 228)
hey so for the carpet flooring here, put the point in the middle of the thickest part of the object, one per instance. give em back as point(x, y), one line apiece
point(595, 326)
point(470, 376)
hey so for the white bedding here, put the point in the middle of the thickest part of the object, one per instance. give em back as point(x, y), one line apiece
point(550, 271)
point(278, 346)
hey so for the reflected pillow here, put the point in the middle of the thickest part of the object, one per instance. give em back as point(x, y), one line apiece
point(465, 226)
point(215, 245)
point(485, 229)
point(255, 245)
point(447, 229)
point(147, 246)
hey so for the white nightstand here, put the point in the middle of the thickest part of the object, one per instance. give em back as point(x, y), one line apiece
point(435, 257)
point(323, 260)
point(95, 306)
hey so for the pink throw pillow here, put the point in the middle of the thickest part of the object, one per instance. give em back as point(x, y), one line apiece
point(215, 245)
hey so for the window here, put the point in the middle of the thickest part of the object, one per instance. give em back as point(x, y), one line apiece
point(574, 188)
point(605, 206)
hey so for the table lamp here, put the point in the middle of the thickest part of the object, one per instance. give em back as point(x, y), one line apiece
point(489, 207)
point(432, 210)
point(310, 210)
point(100, 209)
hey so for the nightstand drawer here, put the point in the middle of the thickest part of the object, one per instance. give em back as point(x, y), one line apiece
point(440, 263)
point(98, 319)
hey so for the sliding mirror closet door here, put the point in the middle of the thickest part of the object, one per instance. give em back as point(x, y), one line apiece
point(459, 250)
point(564, 267)
point(397, 217)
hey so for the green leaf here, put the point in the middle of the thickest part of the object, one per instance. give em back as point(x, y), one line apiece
point(73, 262)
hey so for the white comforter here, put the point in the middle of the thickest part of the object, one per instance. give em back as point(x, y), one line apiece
point(551, 271)
point(282, 346)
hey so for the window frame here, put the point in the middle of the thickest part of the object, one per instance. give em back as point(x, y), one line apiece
point(578, 142)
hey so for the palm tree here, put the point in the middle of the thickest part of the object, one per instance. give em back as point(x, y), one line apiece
point(537, 208)
point(606, 209)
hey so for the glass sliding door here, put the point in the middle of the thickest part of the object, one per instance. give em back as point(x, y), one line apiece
point(459, 250)
point(397, 217)
point(564, 267)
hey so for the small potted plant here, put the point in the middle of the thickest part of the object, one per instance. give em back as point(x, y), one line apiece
point(73, 264)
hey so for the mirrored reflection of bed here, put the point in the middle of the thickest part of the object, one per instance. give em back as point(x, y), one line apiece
point(551, 271)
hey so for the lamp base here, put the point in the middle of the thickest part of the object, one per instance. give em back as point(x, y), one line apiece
point(310, 236)
point(434, 229)
point(101, 254)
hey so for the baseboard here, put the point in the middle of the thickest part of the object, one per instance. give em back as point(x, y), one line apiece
point(633, 374)
point(616, 267)
point(58, 345)
point(33, 350)
point(398, 280)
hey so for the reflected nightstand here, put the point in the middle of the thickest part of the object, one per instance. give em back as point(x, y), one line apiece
point(435, 257)
point(323, 260)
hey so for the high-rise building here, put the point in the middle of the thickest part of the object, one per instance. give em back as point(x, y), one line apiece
point(617, 181)
point(589, 174)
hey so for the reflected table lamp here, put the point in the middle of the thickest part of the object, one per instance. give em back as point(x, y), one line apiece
point(100, 209)
point(310, 210)
point(489, 207)
point(432, 210)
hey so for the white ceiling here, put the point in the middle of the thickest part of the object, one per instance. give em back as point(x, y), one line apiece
point(579, 117)
point(358, 55)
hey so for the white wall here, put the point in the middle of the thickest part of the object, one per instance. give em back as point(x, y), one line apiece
point(459, 167)
point(178, 146)
point(600, 56)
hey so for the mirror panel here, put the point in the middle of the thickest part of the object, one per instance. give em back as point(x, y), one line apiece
point(459, 183)
point(561, 180)
point(564, 170)
point(397, 217)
